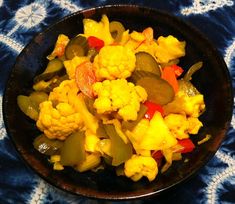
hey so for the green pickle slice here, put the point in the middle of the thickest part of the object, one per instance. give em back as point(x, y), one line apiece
point(78, 46)
point(119, 150)
point(159, 90)
point(116, 29)
point(73, 150)
point(146, 62)
point(47, 146)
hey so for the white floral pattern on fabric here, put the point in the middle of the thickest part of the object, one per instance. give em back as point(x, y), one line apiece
point(67, 4)
point(2, 127)
point(39, 193)
point(220, 177)
point(203, 6)
point(23, 19)
point(230, 54)
point(13, 44)
point(233, 122)
point(31, 15)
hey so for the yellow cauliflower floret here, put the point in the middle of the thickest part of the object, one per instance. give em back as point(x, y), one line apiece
point(98, 29)
point(71, 65)
point(149, 48)
point(66, 92)
point(151, 135)
point(169, 48)
point(138, 166)
point(192, 106)
point(119, 96)
point(65, 112)
point(58, 122)
point(194, 125)
point(138, 42)
point(132, 40)
point(114, 62)
point(178, 125)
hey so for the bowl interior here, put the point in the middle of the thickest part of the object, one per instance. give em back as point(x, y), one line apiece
point(212, 81)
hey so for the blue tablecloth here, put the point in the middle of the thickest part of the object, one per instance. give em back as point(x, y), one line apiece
point(20, 20)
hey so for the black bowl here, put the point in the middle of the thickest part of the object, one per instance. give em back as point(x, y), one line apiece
point(213, 82)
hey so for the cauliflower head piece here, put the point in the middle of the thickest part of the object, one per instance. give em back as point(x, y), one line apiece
point(119, 96)
point(192, 106)
point(138, 166)
point(114, 62)
point(169, 48)
point(58, 117)
point(65, 112)
point(66, 92)
point(178, 125)
point(151, 135)
point(98, 29)
point(181, 126)
point(58, 122)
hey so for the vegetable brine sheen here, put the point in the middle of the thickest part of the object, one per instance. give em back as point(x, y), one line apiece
point(111, 96)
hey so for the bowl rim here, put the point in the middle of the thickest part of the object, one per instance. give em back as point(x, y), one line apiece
point(102, 195)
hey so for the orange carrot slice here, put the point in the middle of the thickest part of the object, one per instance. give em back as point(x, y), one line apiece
point(168, 74)
point(85, 78)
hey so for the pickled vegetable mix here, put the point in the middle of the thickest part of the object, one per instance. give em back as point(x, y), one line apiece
point(116, 97)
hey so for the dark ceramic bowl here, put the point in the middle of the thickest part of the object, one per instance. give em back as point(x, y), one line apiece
point(213, 82)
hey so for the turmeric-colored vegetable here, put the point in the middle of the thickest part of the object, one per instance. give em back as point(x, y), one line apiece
point(73, 150)
point(119, 96)
point(114, 62)
point(119, 102)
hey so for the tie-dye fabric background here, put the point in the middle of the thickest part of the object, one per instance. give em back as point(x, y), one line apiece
point(20, 20)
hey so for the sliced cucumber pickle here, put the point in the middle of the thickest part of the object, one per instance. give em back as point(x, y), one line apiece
point(27, 106)
point(73, 150)
point(38, 97)
point(138, 74)
point(78, 46)
point(116, 29)
point(48, 86)
point(146, 62)
point(188, 88)
point(54, 67)
point(159, 90)
point(47, 146)
point(120, 151)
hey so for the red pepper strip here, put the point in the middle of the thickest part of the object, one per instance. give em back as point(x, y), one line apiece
point(158, 156)
point(85, 77)
point(152, 108)
point(95, 42)
point(187, 145)
point(178, 70)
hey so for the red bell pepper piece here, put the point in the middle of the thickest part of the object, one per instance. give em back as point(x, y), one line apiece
point(177, 69)
point(152, 108)
point(95, 42)
point(158, 156)
point(187, 145)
